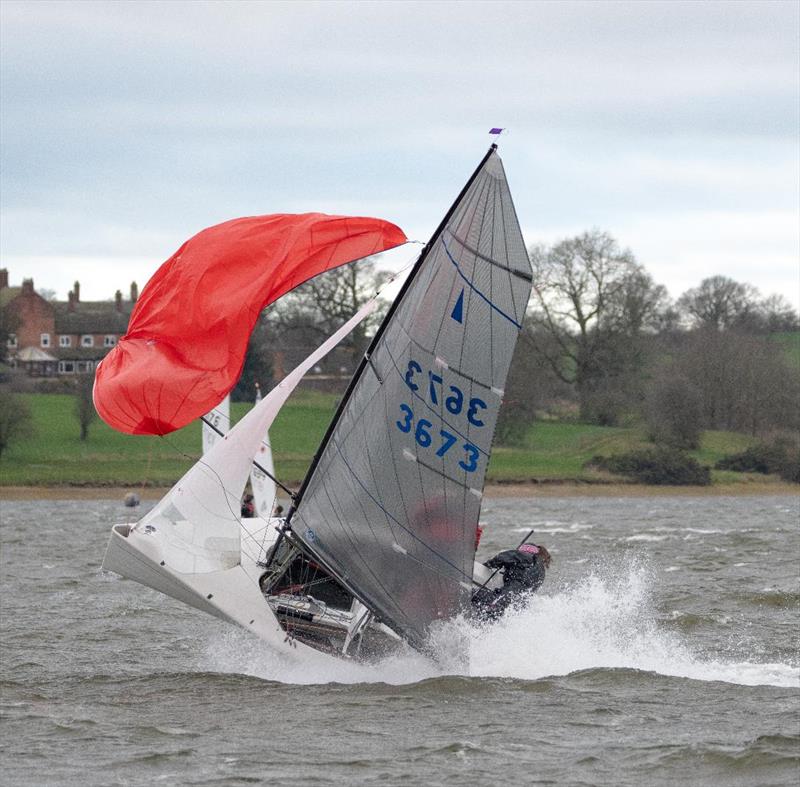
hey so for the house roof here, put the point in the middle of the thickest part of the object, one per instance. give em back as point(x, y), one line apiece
point(92, 317)
point(7, 294)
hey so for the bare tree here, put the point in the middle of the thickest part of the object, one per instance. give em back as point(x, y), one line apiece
point(257, 365)
point(719, 303)
point(9, 323)
point(531, 387)
point(15, 419)
point(638, 304)
point(593, 301)
point(744, 381)
point(84, 405)
point(777, 315)
point(323, 304)
point(674, 410)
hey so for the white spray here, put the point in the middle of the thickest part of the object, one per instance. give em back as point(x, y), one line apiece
point(601, 622)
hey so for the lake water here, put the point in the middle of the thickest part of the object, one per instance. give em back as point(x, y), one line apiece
point(663, 649)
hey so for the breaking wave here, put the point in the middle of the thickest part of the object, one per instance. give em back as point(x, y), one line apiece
point(600, 622)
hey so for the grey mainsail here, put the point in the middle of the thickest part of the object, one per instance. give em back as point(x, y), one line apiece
point(391, 503)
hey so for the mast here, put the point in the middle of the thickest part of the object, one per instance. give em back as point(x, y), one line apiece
point(378, 333)
point(392, 498)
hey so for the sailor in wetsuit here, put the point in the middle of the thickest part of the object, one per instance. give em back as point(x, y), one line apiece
point(523, 573)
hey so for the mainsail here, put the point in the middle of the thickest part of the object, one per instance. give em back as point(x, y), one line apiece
point(391, 504)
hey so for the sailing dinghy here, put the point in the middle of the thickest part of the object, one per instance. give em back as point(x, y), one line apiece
point(378, 546)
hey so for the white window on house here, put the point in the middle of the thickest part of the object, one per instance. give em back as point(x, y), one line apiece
point(45, 339)
point(66, 367)
point(87, 341)
point(12, 340)
point(65, 341)
point(109, 341)
point(85, 366)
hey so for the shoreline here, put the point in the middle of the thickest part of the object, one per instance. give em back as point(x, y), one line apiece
point(492, 490)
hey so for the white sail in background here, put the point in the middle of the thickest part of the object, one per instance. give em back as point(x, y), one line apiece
point(264, 491)
point(220, 417)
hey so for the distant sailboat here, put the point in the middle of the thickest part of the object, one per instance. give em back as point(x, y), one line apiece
point(216, 423)
point(262, 475)
point(379, 543)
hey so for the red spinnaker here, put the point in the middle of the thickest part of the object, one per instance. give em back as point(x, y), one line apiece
point(187, 336)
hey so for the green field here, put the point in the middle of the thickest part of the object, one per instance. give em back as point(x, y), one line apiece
point(559, 451)
point(53, 454)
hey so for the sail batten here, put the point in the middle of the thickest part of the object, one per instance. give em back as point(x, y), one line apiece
point(485, 258)
point(393, 497)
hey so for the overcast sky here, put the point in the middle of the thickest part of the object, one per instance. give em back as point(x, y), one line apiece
point(128, 127)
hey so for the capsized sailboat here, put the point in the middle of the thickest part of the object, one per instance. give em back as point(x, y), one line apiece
point(378, 546)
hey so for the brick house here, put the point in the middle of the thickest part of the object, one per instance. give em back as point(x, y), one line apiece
point(61, 338)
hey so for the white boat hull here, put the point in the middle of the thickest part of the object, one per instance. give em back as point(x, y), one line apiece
point(230, 595)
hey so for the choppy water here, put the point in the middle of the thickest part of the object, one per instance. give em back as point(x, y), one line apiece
point(662, 649)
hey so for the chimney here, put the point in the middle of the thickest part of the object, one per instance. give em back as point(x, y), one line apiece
point(134, 292)
point(70, 301)
point(27, 286)
point(77, 289)
point(3, 278)
point(118, 300)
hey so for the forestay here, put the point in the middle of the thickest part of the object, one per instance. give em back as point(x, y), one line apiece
point(392, 503)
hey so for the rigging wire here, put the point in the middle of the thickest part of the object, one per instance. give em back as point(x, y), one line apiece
point(227, 494)
point(255, 464)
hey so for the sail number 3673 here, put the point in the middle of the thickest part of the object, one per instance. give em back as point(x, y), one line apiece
point(425, 439)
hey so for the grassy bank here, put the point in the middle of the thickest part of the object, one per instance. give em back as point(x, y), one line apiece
point(54, 456)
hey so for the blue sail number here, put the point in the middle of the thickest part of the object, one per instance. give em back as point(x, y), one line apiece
point(405, 426)
point(413, 366)
point(474, 405)
point(424, 438)
point(472, 456)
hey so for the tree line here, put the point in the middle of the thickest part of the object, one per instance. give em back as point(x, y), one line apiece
point(603, 344)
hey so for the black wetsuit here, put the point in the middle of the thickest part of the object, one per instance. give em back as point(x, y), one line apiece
point(523, 573)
